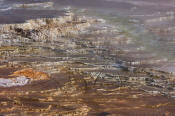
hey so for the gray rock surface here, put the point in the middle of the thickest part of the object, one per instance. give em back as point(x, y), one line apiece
point(19, 81)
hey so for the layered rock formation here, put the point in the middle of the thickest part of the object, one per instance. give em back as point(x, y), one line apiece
point(80, 67)
point(45, 29)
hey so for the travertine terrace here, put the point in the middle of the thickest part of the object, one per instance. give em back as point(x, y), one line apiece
point(79, 66)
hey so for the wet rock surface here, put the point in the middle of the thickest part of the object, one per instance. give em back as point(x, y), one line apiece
point(82, 66)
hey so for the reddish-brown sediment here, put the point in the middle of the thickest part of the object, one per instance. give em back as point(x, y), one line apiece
point(5, 72)
point(73, 94)
point(30, 73)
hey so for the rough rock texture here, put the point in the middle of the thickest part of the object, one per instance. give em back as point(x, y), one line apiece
point(46, 29)
point(30, 73)
point(19, 81)
point(81, 67)
point(74, 93)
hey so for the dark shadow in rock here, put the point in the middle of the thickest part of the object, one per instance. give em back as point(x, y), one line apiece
point(103, 114)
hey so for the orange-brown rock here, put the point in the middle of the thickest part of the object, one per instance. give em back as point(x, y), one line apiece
point(30, 73)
